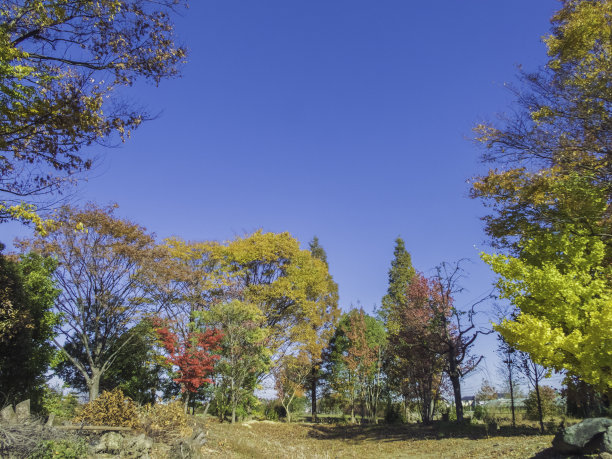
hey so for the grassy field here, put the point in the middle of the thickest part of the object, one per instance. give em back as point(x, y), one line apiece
point(267, 439)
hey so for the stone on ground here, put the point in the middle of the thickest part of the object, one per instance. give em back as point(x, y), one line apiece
point(585, 437)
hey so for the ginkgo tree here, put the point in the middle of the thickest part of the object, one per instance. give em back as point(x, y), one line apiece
point(550, 197)
point(561, 286)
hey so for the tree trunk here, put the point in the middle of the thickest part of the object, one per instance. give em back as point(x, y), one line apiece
point(313, 393)
point(537, 389)
point(186, 402)
point(93, 384)
point(454, 377)
point(512, 400)
point(288, 413)
point(233, 406)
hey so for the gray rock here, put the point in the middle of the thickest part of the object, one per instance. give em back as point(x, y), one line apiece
point(137, 447)
point(189, 448)
point(606, 441)
point(583, 437)
point(50, 420)
point(22, 410)
point(110, 442)
point(8, 415)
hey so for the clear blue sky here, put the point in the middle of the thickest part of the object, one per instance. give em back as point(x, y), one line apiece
point(345, 119)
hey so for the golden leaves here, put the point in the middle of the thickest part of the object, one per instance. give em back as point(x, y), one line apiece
point(110, 409)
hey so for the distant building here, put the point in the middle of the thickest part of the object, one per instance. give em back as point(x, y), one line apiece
point(467, 401)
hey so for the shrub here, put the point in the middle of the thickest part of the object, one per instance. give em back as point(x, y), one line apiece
point(110, 409)
point(65, 449)
point(395, 414)
point(548, 398)
point(63, 406)
point(273, 410)
point(480, 412)
point(165, 421)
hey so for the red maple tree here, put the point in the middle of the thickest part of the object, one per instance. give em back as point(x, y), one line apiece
point(194, 355)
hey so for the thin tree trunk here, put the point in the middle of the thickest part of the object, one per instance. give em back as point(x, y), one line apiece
point(313, 393)
point(512, 400)
point(537, 389)
point(186, 402)
point(233, 405)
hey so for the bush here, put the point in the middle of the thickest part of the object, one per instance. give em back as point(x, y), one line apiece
point(298, 407)
point(273, 410)
point(548, 398)
point(65, 449)
point(479, 412)
point(165, 421)
point(110, 409)
point(395, 414)
point(63, 406)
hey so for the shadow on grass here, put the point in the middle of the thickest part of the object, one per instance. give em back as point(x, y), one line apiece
point(401, 432)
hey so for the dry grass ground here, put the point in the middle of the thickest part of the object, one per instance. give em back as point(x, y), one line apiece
point(266, 439)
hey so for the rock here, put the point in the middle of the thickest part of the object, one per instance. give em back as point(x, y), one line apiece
point(110, 442)
point(584, 437)
point(606, 442)
point(8, 415)
point(50, 420)
point(189, 448)
point(137, 447)
point(22, 411)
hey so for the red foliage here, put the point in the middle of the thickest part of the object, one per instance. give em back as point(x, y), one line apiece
point(194, 356)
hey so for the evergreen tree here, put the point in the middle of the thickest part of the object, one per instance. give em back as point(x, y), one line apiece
point(400, 275)
point(316, 250)
point(324, 329)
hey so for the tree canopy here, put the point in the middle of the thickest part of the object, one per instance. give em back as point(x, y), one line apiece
point(60, 62)
point(550, 199)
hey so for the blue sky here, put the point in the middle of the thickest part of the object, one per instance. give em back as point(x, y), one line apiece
point(345, 119)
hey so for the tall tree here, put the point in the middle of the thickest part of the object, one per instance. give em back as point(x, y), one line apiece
point(560, 284)
point(137, 370)
point(291, 379)
point(550, 195)
point(534, 374)
point(61, 60)
point(400, 275)
point(457, 330)
point(322, 328)
point(509, 369)
point(243, 353)
point(453, 330)
point(415, 363)
point(356, 357)
point(184, 282)
point(26, 301)
point(317, 250)
point(561, 128)
point(101, 297)
point(290, 287)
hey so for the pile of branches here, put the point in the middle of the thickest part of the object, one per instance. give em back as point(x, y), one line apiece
point(20, 440)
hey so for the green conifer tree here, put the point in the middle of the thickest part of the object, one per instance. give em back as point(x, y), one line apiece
point(316, 250)
point(400, 275)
